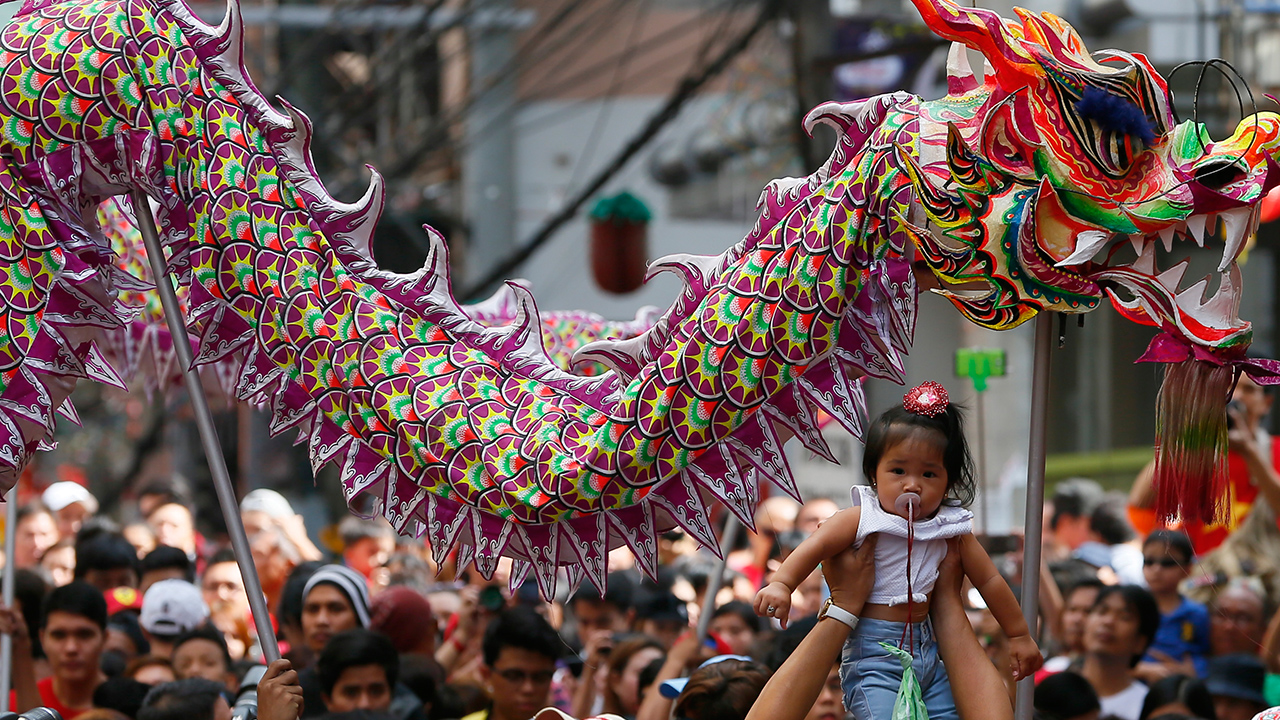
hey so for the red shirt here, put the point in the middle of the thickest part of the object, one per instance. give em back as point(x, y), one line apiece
point(1242, 493)
point(49, 699)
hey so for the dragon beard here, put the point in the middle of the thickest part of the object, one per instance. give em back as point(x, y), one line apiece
point(1191, 439)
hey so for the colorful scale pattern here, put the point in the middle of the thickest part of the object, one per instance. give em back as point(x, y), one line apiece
point(459, 427)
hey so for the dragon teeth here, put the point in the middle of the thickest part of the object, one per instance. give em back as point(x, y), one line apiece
point(1237, 224)
point(1088, 243)
point(1138, 242)
point(1172, 277)
point(1166, 237)
point(1146, 262)
point(1195, 227)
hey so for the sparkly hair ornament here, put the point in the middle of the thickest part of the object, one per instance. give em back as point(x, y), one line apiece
point(928, 398)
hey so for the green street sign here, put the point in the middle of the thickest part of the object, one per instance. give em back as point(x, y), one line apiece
point(978, 364)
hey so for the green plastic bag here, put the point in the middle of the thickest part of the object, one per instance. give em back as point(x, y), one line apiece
point(910, 702)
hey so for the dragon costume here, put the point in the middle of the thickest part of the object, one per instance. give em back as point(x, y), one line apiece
point(143, 348)
point(1022, 183)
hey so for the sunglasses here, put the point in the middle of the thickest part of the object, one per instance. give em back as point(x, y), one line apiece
point(1164, 562)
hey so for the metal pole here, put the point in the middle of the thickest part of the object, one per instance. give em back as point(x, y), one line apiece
point(1024, 707)
point(6, 592)
point(208, 434)
point(981, 417)
point(727, 539)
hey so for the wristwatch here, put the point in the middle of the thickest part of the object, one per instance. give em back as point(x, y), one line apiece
point(835, 612)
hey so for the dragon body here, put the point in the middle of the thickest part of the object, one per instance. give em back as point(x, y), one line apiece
point(143, 348)
point(1014, 190)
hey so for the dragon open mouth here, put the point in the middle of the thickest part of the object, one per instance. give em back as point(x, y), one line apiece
point(1146, 294)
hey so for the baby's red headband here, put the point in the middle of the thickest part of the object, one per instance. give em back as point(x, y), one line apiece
point(928, 398)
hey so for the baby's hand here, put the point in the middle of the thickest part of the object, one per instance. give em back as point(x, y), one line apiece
point(1024, 656)
point(774, 601)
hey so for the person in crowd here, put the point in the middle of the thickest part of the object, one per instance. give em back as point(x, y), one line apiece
point(162, 491)
point(72, 633)
point(1237, 618)
point(1236, 683)
point(275, 556)
point(358, 670)
point(125, 638)
point(164, 563)
point(1181, 643)
point(289, 615)
point(1118, 631)
point(1110, 531)
point(335, 599)
point(174, 526)
point(613, 685)
point(107, 561)
point(141, 537)
point(151, 670)
point(191, 699)
point(1066, 696)
point(622, 686)
point(722, 688)
point(600, 617)
point(1178, 694)
point(1074, 501)
point(29, 590)
point(59, 562)
point(520, 653)
point(264, 509)
point(663, 616)
point(813, 513)
point(405, 616)
point(1077, 601)
point(223, 591)
point(203, 653)
point(736, 625)
point(36, 532)
point(70, 504)
point(366, 544)
point(122, 694)
point(171, 608)
point(1253, 468)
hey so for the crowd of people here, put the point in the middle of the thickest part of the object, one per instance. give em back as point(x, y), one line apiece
point(149, 620)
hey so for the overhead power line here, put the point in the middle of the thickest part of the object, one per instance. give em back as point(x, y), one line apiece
point(684, 91)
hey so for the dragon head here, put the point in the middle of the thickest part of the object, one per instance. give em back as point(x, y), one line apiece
point(1034, 177)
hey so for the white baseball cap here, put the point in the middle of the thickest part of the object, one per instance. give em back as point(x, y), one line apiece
point(172, 607)
point(62, 494)
point(268, 501)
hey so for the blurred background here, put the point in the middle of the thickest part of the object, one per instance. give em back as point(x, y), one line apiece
point(502, 123)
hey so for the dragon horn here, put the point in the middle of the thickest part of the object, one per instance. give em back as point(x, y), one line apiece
point(988, 33)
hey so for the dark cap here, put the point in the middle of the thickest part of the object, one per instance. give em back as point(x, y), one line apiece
point(1238, 676)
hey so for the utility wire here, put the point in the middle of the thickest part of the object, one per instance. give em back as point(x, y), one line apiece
point(685, 91)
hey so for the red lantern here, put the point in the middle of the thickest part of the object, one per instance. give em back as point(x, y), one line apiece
point(619, 243)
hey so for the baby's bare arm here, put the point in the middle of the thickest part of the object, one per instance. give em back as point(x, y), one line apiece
point(837, 533)
point(995, 591)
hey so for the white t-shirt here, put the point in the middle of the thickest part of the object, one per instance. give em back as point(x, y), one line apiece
point(1126, 704)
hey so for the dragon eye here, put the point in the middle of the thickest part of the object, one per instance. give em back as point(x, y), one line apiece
point(1118, 150)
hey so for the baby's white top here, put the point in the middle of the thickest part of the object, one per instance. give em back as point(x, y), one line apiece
point(891, 548)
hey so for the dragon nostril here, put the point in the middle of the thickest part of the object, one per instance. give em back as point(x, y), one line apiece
point(1219, 174)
